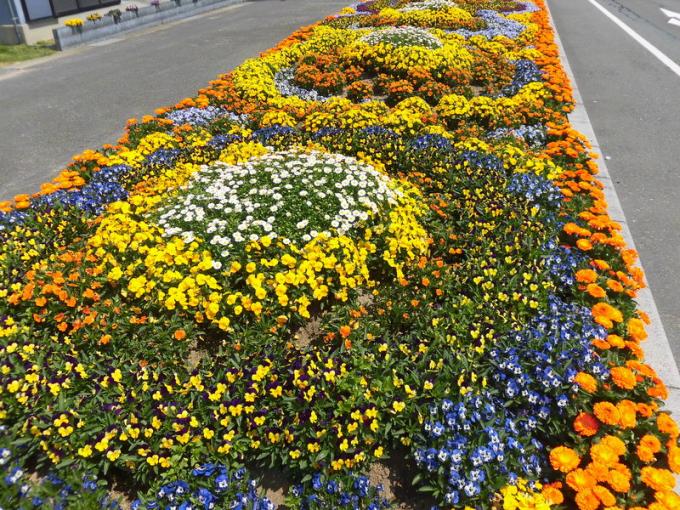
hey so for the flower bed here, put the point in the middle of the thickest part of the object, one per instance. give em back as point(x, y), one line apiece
point(379, 247)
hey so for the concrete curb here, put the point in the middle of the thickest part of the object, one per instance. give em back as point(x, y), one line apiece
point(657, 349)
point(65, 37)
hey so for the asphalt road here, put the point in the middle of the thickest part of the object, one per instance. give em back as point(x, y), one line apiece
point(58, 107)
point(633, 101)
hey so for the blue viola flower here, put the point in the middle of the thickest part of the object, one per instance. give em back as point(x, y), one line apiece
point(205, 470)
point(326, 132)
point(199, 116)
point(481, 160)
point(265, 135)
point(537, 190)
point(163, 158)
point(431, 141)
point(534, 136)
point(221, 141)
point(526, 71)
point(222, 481)
point(15, 474)
point(316, 481)
point(361, 484)
point(496, 25)
point(181, 487)
point(206, 498)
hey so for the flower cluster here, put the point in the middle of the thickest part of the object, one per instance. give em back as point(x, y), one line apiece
point(496, 25)
point(211, 486)
point(198, 116)
point(428, 4)
point(286, 196)
point(74, 23)
point(403, 36)
point(327, 492)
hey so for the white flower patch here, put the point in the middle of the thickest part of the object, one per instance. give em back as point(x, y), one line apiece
point(289, 196)
point(434, 5)
point(402, 36)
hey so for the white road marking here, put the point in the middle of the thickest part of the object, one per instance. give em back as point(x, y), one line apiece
point(674, 16)
point(660, 55)
point(670, 14)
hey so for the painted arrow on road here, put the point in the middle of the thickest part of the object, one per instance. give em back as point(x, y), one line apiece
point(674, 16)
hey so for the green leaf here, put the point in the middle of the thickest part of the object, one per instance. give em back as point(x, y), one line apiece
point(64, 463)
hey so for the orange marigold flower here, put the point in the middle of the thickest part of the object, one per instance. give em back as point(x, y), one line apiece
point(587, 500)
point(584, 245)
point(668, 498)
point(345, 331)
point(623, 378)
point(635, 349)
point(604, 495)
point(601, 344)
point(615, 444)
point(604, 321)
point(667, 425)
point(642, 368)
point(552, 494)
point(586, 381)
point(596, 291)
point(628, 411)
point(608, 311)
point(580, 479)
point(585, 424)
point(674, 458)
point(180, 334)
point(645, 317)
point(629, 256)
point(622, 468)
point(586, 276)
point(651, 441)
point(644, 410)
point(614, 286)
point(616, 341)
point(658, 390)
point(600, 264)
point(599, 471)
point(645, 454)
point(603, 454)
point(564, 459)
point(618, 481)
point(571, 228)
point(607, 413)
point(657, 479)
point(636, 329)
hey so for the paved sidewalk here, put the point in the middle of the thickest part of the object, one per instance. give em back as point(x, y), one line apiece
point(634, 104)
point(57, 107)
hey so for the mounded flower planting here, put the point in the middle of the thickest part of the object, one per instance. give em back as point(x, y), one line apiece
point(377, 248)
